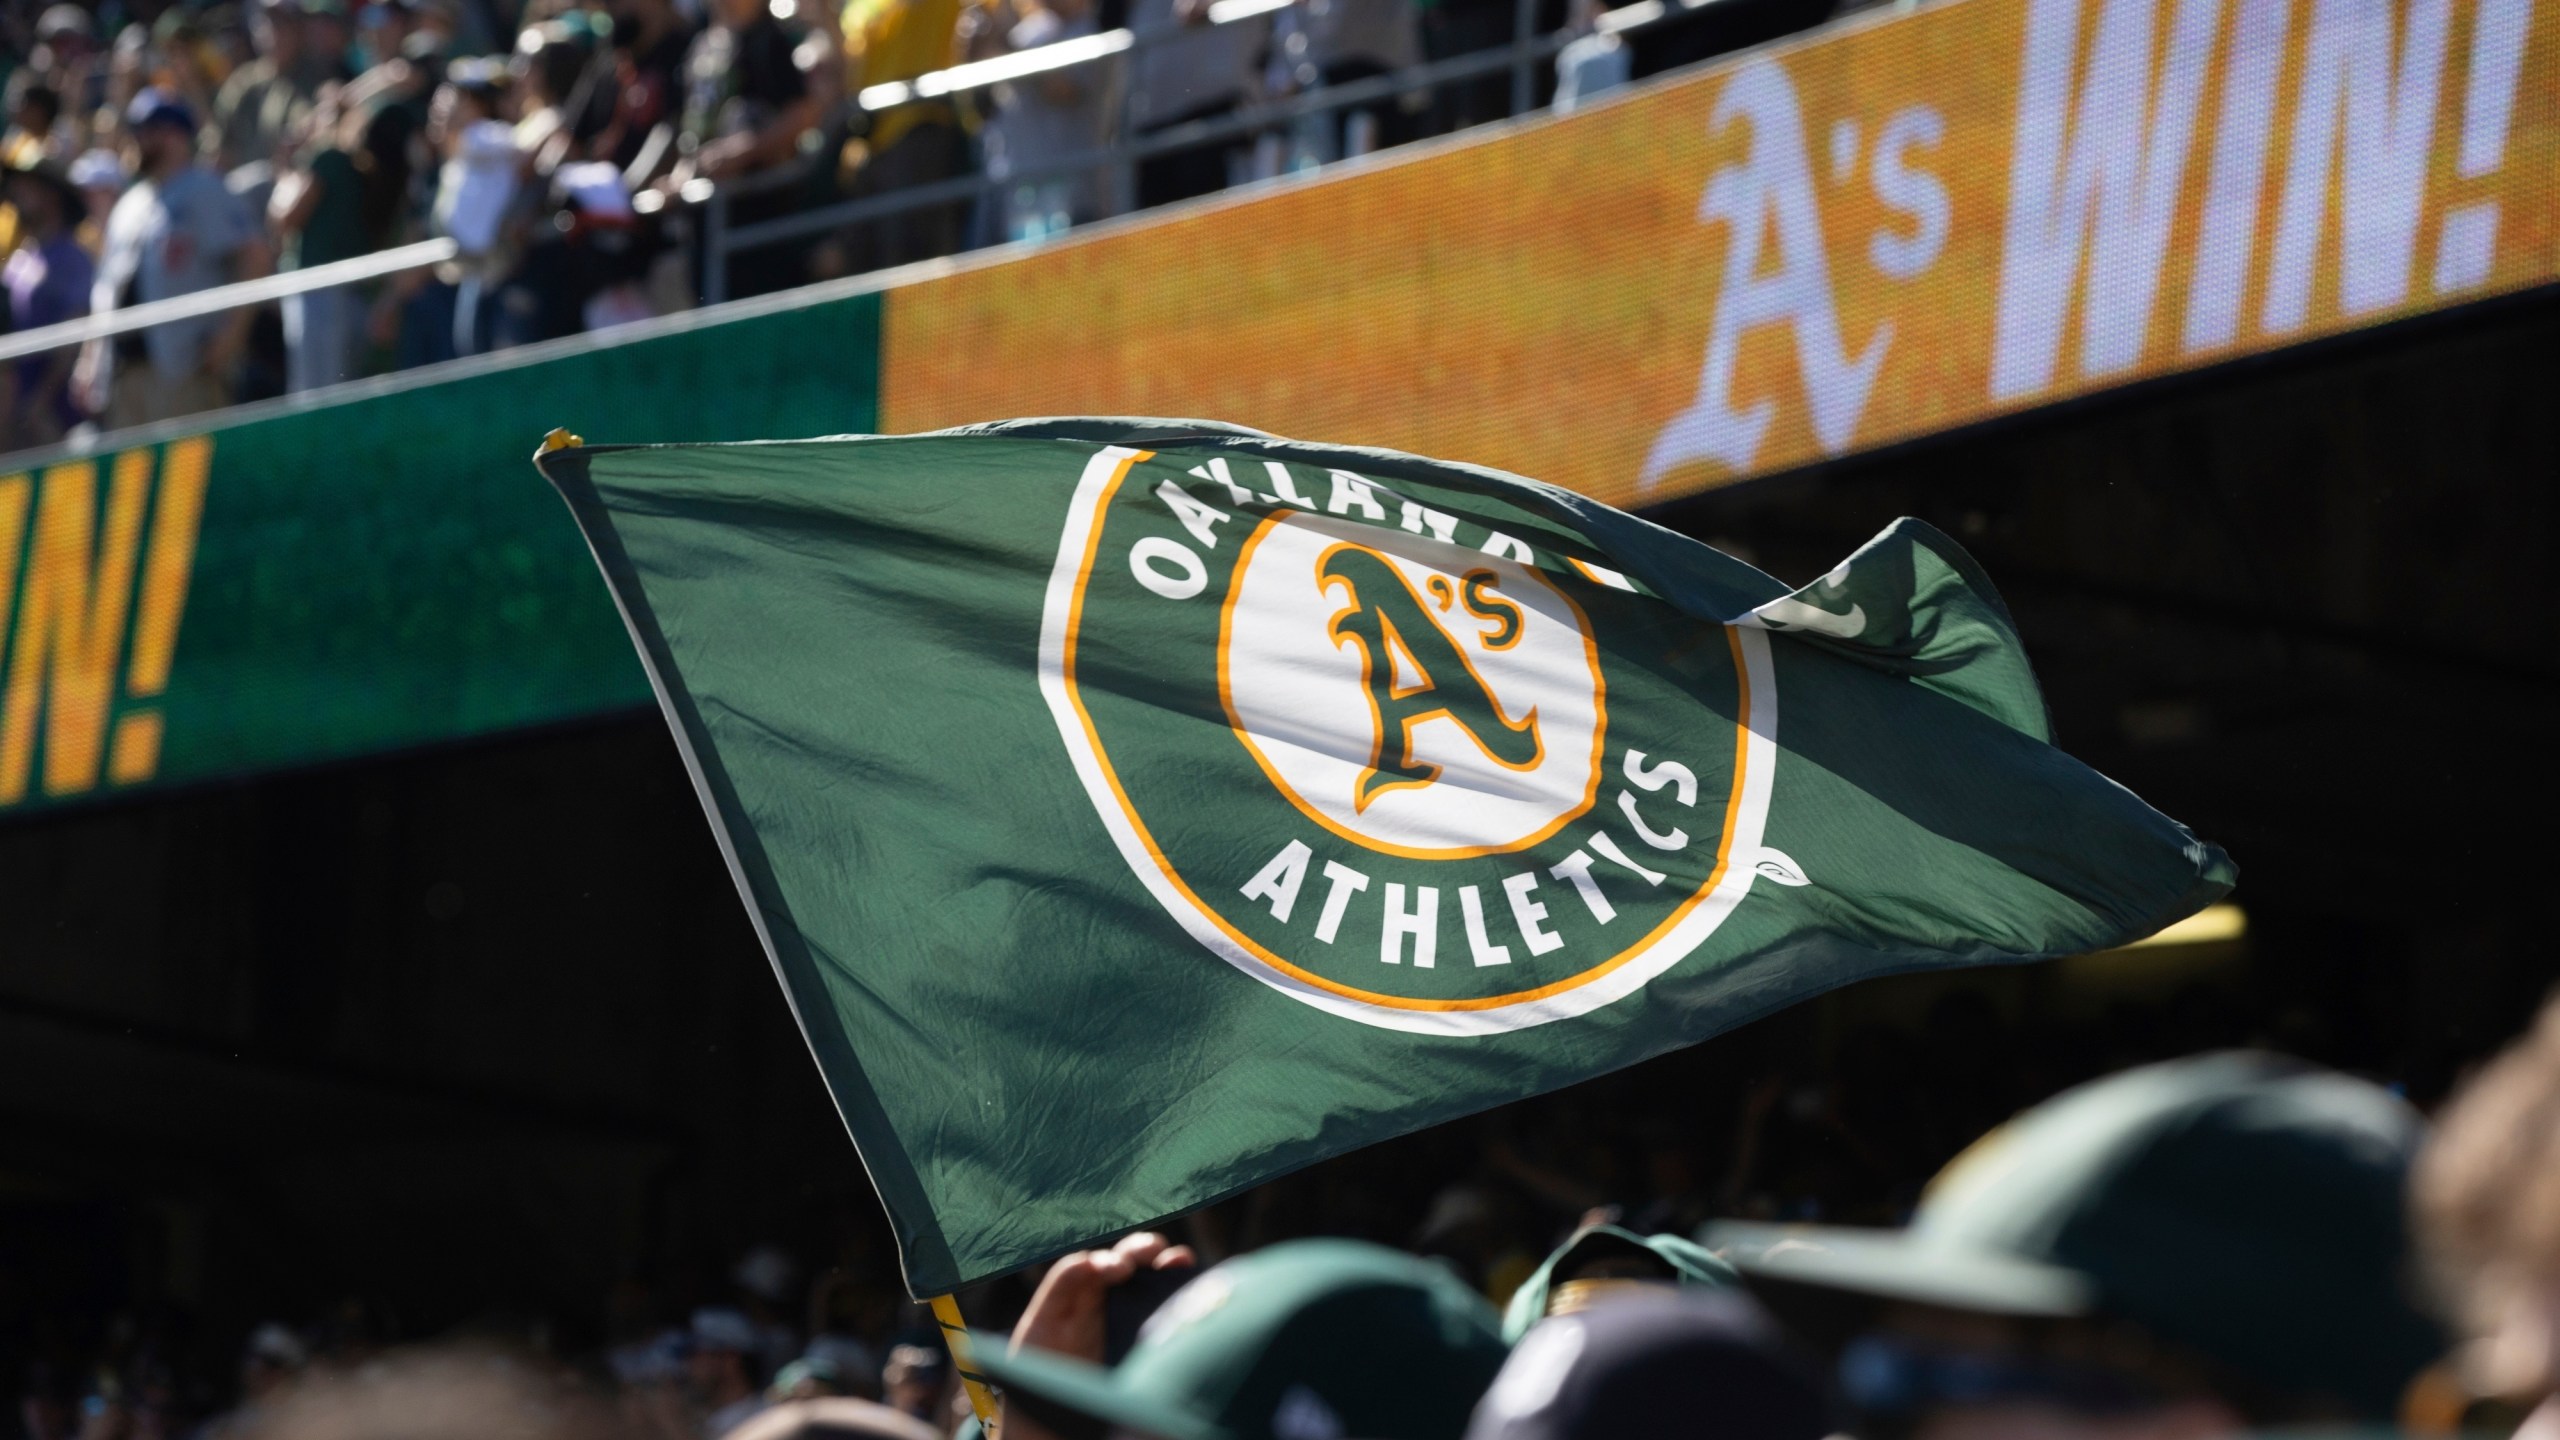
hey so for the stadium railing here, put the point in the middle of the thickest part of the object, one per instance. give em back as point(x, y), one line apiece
point(719, 242)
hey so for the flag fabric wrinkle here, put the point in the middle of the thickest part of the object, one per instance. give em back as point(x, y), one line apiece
point(1135, 811)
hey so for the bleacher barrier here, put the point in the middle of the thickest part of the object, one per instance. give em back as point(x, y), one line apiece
point(1898, 225)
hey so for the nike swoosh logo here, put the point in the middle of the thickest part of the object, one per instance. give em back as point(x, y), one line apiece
point(1790, 613)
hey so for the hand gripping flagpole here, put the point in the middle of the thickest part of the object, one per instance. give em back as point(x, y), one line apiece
point(955, 1336)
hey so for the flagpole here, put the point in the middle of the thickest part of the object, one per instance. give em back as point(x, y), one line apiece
point(955, 1336)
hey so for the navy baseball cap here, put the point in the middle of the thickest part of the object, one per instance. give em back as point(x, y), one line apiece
point(1668, 1363)
point(155, 106)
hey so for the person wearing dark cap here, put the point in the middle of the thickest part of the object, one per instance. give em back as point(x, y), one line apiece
point(1600, 1262)
point(48, 278)
point(176, 232)
point(1658, 1362)
point(2186, 1249)
point(1307, 1340)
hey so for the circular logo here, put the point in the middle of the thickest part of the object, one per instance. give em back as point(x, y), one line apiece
point(1395, 763)
point(1474, 680)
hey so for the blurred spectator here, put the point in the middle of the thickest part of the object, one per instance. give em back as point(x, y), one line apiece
point(914, 143)
point(383, 28)
point(66, 52)
point(805, 1379)
point(177, 231)
point(565, 167)
point(1651, 1140)
point(843, 1363)
point(1316, 43)
point(317, 208)
point(650, 41)
point(1656, 1365)
point(1044, 119)
point(767, 1280)
point(553, 87)
point(270, 1364)
point(915, 1379)
point(2199, 1247)
point(834, 1419)
point(1593, 63)
point(129, 67)
point(449, 1394)
point(475, 190)
point(722, 1369)
point(746, 107)
point(274, 1360)
point(1311, 1337)
point(100, 177)
point(328, 43)
point(35, 113)
point(264, 102)
point(602, 255)
point(185, 58)
point(549, 281)
point(48, 278)
point(1187, 71)
point(395, 86)
point(2488, 1194)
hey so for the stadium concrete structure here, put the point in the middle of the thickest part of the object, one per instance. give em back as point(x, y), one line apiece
point(362, 931)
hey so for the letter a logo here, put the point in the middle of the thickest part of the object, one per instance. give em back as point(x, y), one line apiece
point(1414, 671)
point(1390, 774)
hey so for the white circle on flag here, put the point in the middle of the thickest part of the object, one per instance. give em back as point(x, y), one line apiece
point(1409, 695)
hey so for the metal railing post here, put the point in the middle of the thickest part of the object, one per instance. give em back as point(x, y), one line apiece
point(715, 248)
point(1123, 197)
point(1524, 21)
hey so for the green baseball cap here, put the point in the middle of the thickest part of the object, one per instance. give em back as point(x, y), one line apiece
point(1306, 1340)
point(1683, 1262)
point(2248, 1207)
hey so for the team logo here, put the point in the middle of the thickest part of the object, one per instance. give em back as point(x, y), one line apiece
point(1390, 761)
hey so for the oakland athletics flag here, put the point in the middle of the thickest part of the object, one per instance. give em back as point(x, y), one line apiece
point(1138, 810)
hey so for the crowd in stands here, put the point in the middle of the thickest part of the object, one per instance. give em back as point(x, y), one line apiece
point(2225, 1241)
point(568, 148)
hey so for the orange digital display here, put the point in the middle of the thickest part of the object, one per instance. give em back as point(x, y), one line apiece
point(1899, 225)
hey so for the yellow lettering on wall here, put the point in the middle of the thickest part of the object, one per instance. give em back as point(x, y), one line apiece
point(71, 620)
point(136, 751)
point(13, 529)
point(135, 754)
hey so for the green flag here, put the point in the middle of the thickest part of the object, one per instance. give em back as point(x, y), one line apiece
point(1136, 811)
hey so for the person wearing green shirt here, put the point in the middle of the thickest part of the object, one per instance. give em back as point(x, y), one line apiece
point(318, 209)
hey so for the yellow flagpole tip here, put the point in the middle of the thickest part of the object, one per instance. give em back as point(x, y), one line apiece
point(560, 439)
